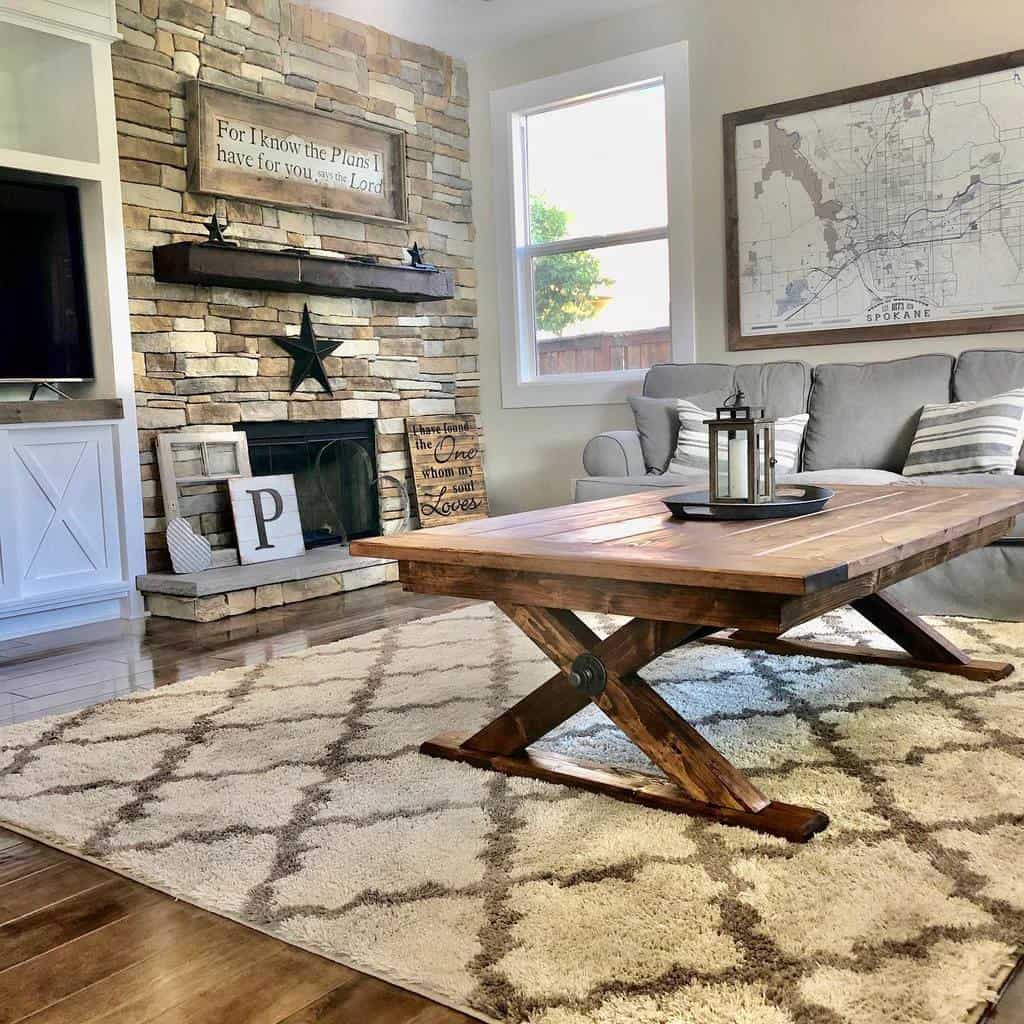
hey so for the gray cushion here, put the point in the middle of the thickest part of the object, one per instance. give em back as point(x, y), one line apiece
point(781, 387)
point(590, 488)
point(984, 372)
point(863, 415)
point(680, 380)
point(657, 423)
point(1003, 480)
point(825, 477)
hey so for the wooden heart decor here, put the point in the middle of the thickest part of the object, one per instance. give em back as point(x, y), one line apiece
point(189, 552)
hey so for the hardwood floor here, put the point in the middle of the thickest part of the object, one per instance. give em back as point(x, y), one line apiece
point(81, 945)
point(69, 669)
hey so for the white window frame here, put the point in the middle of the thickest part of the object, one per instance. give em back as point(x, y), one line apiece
point(521, 385)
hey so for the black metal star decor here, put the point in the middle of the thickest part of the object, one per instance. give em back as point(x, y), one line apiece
point(216, 233)
point(416, 258)
point(308, 353)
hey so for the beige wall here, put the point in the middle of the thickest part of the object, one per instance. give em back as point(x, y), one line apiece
point(742, 54)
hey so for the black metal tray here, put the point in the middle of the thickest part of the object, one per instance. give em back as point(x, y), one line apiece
point(790, 500)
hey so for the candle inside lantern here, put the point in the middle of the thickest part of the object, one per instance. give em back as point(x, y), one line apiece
point(739, 486)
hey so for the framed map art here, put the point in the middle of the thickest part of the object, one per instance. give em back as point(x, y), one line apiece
point(892, 210)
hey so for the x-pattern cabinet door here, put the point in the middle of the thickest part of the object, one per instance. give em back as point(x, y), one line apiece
point(65, 508)
point(9, 575)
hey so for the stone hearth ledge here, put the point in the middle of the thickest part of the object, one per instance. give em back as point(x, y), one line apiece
point(237, 589)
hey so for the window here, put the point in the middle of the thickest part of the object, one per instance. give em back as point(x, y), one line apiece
point(584, 259)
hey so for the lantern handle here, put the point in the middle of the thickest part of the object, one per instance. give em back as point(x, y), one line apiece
point(735, 400)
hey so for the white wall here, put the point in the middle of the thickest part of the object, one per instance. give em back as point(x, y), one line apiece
point(742, 54)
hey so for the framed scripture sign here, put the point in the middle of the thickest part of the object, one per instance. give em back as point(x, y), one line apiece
point(447, 469)
point(247, 147)
point(267, 523)
point(891, 210)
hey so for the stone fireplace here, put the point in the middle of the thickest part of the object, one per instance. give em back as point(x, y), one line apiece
point(204, 355)
point(334, 465)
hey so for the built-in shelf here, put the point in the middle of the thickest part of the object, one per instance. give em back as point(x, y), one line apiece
point(265, 270)
point(39, 70)
point(75, 562)
point(70, 411)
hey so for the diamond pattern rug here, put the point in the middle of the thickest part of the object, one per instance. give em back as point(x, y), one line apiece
point(290, 796)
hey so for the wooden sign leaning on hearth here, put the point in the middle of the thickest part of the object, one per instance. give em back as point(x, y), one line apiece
point(447, 470)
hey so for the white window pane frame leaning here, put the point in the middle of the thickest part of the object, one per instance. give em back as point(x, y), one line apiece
point(522, 385)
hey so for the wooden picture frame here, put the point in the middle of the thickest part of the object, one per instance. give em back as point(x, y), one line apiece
point(445, 452)
point(899, 316)
point(194, 458)
point(244, 146)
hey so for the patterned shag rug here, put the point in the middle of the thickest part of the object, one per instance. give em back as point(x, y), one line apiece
point(290, 796)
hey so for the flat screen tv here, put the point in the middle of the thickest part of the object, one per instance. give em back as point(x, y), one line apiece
point(44, 315)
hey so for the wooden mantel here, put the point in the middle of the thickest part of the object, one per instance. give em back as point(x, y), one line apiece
point(265, 270)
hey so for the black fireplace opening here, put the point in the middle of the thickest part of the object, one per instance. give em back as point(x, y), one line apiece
point(334, 464)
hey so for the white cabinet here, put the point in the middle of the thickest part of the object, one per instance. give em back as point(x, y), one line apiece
point(71, 517)
point(61, 560)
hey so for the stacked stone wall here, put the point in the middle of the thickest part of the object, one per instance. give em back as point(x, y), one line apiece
point(204, 358)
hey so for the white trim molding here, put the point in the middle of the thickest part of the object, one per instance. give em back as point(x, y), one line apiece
point(521, 385)
point(86, 21)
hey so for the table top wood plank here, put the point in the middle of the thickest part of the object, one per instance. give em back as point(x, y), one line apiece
point(550, 527)
point(752, 534)
point(861, 521)
point(869, 542)
point(621, 504)
point(759, 538)
point(864, 525)
point(863, 529)
point(661, 538)
point(619, 532)
point(617, 562)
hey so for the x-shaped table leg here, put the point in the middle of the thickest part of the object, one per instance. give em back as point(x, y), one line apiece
point(701, 781)
point(922, 646)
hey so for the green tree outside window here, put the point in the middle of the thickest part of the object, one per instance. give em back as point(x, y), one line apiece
point(564, 284)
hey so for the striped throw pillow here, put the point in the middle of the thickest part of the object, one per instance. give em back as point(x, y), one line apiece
point(691, 453)
point(969, 437)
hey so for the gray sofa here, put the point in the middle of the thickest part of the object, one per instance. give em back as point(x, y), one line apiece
point(862, 422)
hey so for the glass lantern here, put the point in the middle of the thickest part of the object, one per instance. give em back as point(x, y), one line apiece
point(741, 454)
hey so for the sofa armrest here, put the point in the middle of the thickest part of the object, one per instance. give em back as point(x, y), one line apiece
point(614, 453)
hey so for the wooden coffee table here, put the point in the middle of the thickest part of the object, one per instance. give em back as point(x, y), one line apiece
point(682, 582)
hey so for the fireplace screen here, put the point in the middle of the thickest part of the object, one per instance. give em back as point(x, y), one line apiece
point(334, 465)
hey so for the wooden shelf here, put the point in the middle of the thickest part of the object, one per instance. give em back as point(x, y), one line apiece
point(69, 411)
point(263, 270)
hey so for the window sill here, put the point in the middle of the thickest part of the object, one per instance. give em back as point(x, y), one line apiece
point(572, 389)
